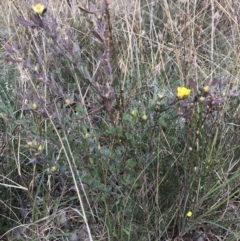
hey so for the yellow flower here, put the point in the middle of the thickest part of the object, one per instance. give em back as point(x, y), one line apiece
point(182, 92)
point(189, 214)
point(38, 8)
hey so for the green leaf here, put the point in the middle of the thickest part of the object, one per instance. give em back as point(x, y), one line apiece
point(131, 163)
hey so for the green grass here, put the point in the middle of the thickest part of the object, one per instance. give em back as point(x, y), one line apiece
point(96, 145)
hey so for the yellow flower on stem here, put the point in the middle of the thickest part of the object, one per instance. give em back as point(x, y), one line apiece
point(38, 8)
point(182, 92)
point(189, 214)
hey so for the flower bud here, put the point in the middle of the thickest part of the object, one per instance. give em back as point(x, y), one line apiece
point(206, 88)
point(91, 161)
point(29, 143)
point(40, 148)
point(160, 96)
point(53, 169)
point(68, 102)
point(133, 113)
point(144, 117)
point(34, 106)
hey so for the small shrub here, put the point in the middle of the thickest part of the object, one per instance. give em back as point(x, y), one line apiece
point(105, 142)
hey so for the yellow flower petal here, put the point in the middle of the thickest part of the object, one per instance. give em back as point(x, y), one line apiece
point(182, 92)
point(189, 214)
point(38, 8)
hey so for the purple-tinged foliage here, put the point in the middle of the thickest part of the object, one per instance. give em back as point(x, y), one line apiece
point(192, 83)
point(205, 100)
point(9, 48)
point(94, 9)
point(26, 23)
point(10, 59)
point(58, 53)
point(234, 92)
point(97, 35)
point(215, 81)
point(36, 19)
point(27, 64)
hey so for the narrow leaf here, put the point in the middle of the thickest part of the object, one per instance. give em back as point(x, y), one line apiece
point(93, 8)
point(214, 81)
point(36, 19)
point(83, 9)
point(25, 22)
point(10, 59)
point(9, 48)
point(95, 34)
point(23, 43)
